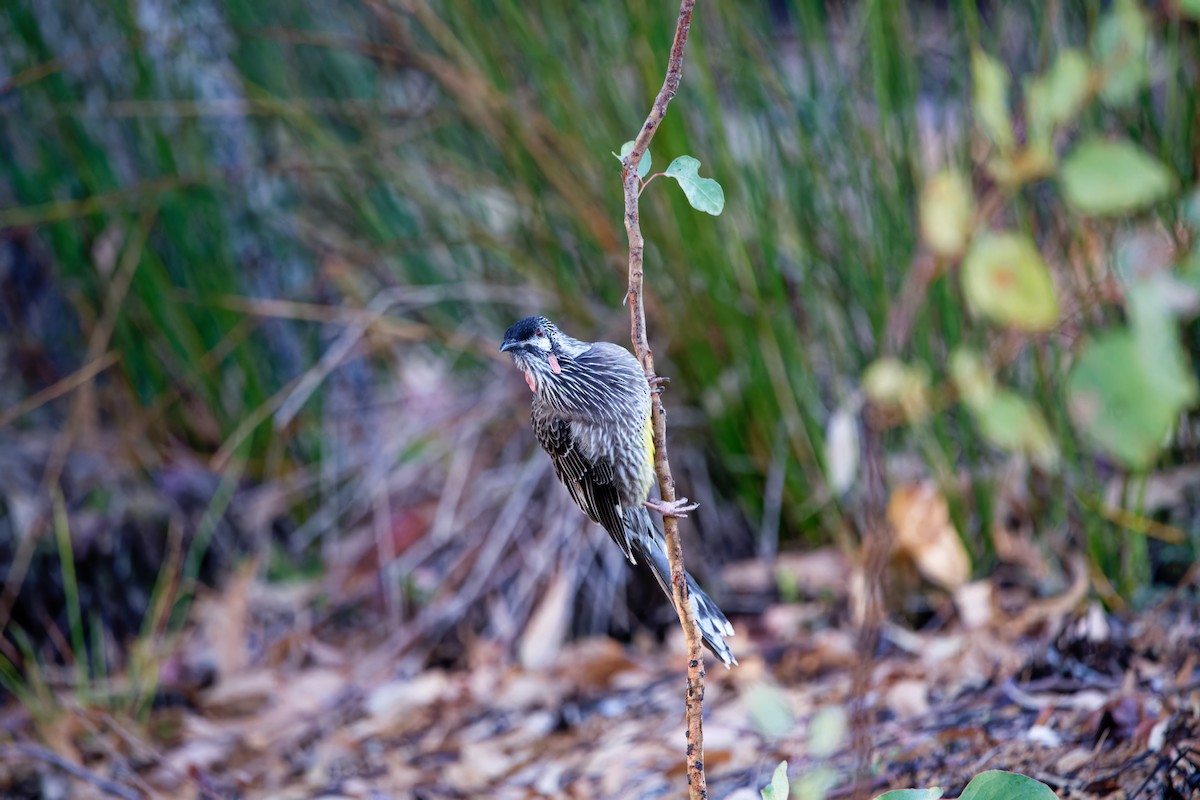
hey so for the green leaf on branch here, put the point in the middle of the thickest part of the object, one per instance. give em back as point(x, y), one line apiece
point(704, 194)
point(1015, 425)
point(1125, 402)
point(974, 379)
point(1005, 279)
point(1120, 48)
point(1103, 178)
point(1054, 99)
point(991, 99)
point(643, 165)
point(1005, 418)
point(778, 790)
point(998, 785)
point(947, 213)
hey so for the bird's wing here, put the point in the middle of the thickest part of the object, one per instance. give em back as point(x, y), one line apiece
point(591, 482)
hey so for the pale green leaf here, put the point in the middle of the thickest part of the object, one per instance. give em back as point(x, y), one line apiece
point(974, 379)
point(1120, 48)
point(991, 99)
point(947, 213)
point(769, 711)
point(1190, 7)
point(1153, 307)
point(998, 785)
point(827, 731)
point(704, 194)
point(1015, 425)
point(643, 165)
point(816, 783)
point(778, 789)
point(1005, 279)
point(1124, 399)
point(1005, 419)
point(1102, 177)
point(1054, 99)
point(912, 794)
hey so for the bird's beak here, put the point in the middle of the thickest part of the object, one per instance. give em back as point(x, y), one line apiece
point(509, 344)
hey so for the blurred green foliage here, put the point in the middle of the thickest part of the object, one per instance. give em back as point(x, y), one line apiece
point(222, 153)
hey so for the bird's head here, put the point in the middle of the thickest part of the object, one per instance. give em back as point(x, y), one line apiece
point(535, 345)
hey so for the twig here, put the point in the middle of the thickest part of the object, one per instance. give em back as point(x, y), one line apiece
point(59, 388)
point(694, 701)
point(82, 773)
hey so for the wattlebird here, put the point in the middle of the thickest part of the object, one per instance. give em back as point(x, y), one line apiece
point(591, 413)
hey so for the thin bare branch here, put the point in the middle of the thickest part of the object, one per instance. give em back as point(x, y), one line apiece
point(694, 701)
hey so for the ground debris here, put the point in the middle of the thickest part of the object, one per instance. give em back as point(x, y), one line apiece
point(1096, 706)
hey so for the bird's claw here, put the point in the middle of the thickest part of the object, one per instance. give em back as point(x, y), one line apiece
point(658, 382)
point(673, 508)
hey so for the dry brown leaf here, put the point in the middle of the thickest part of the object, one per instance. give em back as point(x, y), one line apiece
point(920, 518)
point(389, 704)
point(240, 694)
point(223, 615)
point(815, 572)
point(594, 663)
point(908, 698)
point(547, 629)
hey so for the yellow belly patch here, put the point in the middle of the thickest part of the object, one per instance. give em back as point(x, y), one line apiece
point(648, 443)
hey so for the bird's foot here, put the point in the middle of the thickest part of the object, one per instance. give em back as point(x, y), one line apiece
point(674, 508)
point(658, 382)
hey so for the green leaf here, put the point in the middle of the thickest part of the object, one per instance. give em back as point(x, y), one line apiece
point(1125, 400)
point(1190, 7)
point(974, 379)
point(827, 731)
point(778, 790)
point(912, 794)
point(889, 382)
point(991, 99)
point(1153, 312)
point(704, 194)
point(1015, 425)
point(1120, 48)
point(947, 213)
point(1005, 279)
point(643, 165)
point(816, 783)
point(1006, 419)
point(769, 711)
point(997, 785)
point(1102, 178)
point(1054, 99)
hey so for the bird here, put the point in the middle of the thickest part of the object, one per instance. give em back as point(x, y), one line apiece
point(591, 413)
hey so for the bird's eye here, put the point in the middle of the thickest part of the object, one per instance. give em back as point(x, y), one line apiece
point(540, 332)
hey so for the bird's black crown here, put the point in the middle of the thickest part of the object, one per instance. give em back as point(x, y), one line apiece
point(524, 329)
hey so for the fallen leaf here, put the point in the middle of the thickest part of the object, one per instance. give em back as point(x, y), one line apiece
point(547, 628)
point(920, 518)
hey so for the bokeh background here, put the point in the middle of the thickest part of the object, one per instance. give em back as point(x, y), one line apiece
point(256, 259)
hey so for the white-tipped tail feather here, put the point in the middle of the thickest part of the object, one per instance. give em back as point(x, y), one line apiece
point(649, 547)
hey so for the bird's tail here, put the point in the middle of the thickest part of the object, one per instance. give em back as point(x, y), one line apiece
point(649, 547)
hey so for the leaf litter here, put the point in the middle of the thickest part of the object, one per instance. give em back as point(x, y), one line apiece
point(478, 679)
